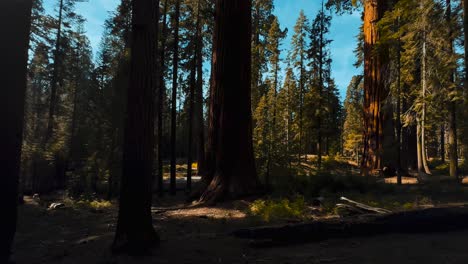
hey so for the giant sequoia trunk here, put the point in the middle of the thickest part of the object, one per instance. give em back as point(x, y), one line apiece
point(135, 233)
point(230, 109)
point(15, 23)
point(374, 88)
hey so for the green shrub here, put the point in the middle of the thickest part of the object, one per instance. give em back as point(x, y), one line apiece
point(283, 209)
point(94, 205)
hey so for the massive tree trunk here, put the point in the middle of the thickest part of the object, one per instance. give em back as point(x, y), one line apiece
point(135, 233)
point(374, 88)
point(175, 62)
point(213, 116)
point(15, 23)
point(234, 174)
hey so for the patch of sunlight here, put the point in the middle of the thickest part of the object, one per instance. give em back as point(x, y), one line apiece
point(272, 210)
point(404, 180)
point(207, 212)
point(94, 204)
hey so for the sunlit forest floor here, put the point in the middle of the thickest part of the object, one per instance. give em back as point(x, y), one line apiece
point(82, 230)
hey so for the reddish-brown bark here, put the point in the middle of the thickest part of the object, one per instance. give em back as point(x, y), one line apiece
point(231, 151)
point(374, 88)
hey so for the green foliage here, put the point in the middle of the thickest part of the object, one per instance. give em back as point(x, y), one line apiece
point(277, 210)
point(352, 130)
point(93, 205)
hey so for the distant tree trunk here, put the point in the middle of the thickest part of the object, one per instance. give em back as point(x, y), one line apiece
point(453, 144)
point(235, 173)
point(321, 87)
point(175, 75)
point(15, 24)
point(198, 115)
point(55, 78)
point(374, 88)
point(442, 143)
point(135, 233)
point(161, 92)
point(302, 150)
point(419, 147)
point(422, 125)
point(398, 114)
point(190, 121)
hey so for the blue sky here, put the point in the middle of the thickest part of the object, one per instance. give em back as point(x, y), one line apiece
point(343, 31)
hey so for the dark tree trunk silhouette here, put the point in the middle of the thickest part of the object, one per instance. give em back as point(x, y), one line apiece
point(175, 62)
point(234, 171)
point(213, 116)
point(135, 233)
point(15, 24)
point(374, 88)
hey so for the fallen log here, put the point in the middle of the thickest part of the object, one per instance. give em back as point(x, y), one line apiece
point(418, 221)
point(366, 207)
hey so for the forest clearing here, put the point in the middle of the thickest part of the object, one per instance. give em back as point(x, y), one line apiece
point(82, 230)
point(234, 131)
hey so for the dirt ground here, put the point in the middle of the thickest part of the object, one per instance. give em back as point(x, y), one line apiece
point(202, 235)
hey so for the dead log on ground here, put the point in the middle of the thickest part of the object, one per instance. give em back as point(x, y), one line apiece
point(365, 207)
point(420, 221)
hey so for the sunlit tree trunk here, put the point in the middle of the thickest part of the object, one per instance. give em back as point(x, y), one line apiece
point(234, 174)
point(374, 88)
point(15, 22)
point(423, 115)
point(419, 146)
point(442, 143)
point(135, 233)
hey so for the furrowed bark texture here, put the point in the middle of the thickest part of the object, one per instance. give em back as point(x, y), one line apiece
point(234, 171)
